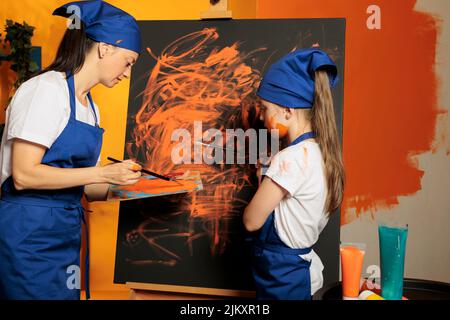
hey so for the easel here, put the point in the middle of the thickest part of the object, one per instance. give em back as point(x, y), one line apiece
point(218, 9)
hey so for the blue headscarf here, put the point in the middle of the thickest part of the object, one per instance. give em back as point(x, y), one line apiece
point(289, 82)
point(105, 23)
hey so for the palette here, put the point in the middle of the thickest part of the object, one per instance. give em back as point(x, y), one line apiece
point(150, 186)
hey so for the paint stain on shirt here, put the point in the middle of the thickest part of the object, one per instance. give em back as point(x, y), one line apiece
point(284, 166)
point(305, 155)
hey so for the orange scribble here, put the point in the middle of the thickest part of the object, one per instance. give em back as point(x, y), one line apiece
point(193, 80)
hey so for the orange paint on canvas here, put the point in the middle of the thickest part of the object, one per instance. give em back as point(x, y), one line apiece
point(390, 96)
point(194, 81)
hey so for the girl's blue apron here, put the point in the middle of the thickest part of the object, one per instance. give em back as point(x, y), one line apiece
point(278, 270)
point(40, 230)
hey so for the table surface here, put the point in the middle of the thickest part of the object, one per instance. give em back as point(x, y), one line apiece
point(413, 289)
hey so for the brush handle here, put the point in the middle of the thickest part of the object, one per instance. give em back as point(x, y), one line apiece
point(144, 170)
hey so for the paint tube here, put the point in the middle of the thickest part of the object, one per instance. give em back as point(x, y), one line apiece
point(369, 295)
point(371, 286)
point(352, 257)
point(392, 260)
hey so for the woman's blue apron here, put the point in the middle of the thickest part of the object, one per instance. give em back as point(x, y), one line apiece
point(40, 230)
point(278, 270)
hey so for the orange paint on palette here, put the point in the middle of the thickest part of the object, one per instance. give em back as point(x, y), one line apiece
point(390, 109)
point(157, 186)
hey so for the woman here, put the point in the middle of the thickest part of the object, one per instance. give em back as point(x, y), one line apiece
point(305, 181)
point(50, 149)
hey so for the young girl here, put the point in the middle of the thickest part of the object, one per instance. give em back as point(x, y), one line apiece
point(304, 182)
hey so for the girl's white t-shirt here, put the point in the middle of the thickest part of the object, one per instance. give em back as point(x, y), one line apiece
point(39, 112)
point(300, 217)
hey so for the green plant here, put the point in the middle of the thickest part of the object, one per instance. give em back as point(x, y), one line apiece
point(19, 38)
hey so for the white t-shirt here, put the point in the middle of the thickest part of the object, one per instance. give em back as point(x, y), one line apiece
point(39, 112)
point(300, 217)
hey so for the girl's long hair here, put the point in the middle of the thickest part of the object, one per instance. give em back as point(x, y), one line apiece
point(323, 123)
point(71, 52)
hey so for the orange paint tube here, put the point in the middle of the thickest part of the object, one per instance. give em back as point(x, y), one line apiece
point(352, 257)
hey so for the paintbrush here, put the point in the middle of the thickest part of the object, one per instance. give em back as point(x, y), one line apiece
point(214, 146)
point(160, 176)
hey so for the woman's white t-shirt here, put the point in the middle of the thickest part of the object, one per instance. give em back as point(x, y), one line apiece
point(300, 217)
point(39, 112)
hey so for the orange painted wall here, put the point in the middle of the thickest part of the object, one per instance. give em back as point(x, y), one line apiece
point(389, 99)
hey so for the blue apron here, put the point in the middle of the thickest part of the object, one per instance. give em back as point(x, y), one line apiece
point(278, 270)
point(40, 230)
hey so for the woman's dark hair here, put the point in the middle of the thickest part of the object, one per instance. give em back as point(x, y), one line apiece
point(71, 52)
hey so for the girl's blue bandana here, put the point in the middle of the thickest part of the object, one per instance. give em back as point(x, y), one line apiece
point(289, 82)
